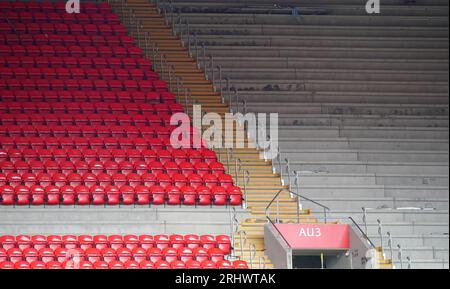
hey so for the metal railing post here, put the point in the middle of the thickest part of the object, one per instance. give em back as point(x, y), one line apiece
point(400, 255)
point(288, 171)
point(213, 76)
point(204, 61)
point(189, 37)
point(297, 187)
point(246, 183)
point(365, 218)
point(243, 241)
point(391, 245)
point(220, 83)
point(380, 232)
point(229, 94)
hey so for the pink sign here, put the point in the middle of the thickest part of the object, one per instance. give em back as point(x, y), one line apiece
point(315, 236)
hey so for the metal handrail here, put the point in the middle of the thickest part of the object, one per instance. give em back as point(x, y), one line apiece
point(326, 209)
point(362, 232)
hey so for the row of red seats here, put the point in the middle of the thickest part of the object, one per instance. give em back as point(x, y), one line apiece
point(178, 156)
point(84, 85)
point(17, 18)
point(51, 73)
point(89, 108)
point(67, 51)
point(48, 6)
point(117, 177)
point(74, 62)
point(108, 255)
point(109, 165)
point(128, 265)
point(100, 242)
point(162, 141)
point(103, 124)
point(61, 125)
point(67, 40)
point(106, 96)
point(73, 29)
point(76, 73)
point(125, 195)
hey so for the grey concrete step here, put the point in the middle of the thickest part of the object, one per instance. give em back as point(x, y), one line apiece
point(332, 20)
point(357, 203)
point(349, 108)
point(324, 53)
point(371, 179)
point(406, 228)
point(390, 216)
point(340, 86)
point(366, 155)
point(97, 220)
point(348, 191)
point(282, 62)
point(384, 98)
point(292, 74)
point(364, 132)
point(362, 120)
point(308, 8)
point(309, 30)
point(297, 144)
point(417, 3)
point(424, 264)
point(439, 241)
point(437, 168)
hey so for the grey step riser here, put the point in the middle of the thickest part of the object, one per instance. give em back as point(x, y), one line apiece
point(325, 53)
point(336, 98)
point(113, 229)
point(361, 156)
point(381, 145)
point(358, 180)
point(339, 86)
point(414, 242)
point(422, 254)
point(371, 168)
point(405, 229)
point(326, 42)
point(284, 63)
point(347, 109)
point(348, 204)
point(372, 192)
point(419, 134)
point(292, 74)
point(326, 121)
point(425, 266)
point(332, 9)
point(100, 215)
point(364, 133)
point(419, 217)
point(305, 20)
point(267, 30)
point(418, 3)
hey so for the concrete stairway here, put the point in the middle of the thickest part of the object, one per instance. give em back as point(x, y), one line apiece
point(264, 183)
point(362, 101)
